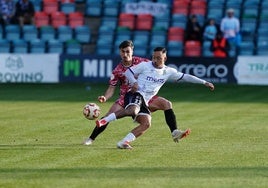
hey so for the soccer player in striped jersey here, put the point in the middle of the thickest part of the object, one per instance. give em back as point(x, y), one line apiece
point(118, 78)
point(145, 80)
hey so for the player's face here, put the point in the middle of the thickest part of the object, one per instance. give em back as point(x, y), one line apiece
point(159, 58)
point(126, 54)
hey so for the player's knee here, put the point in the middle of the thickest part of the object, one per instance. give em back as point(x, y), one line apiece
point(132, 111)
point(167, 105)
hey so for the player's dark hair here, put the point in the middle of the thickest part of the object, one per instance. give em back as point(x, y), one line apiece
point(161, 49)
point(126, 43)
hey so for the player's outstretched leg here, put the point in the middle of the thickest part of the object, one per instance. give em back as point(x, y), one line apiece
point(178, 134)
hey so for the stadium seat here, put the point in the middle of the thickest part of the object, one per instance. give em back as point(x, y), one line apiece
point(1, 33)
point(175, 34)
point(175, 48)
point(180, 7)
point(82, 34)
point(93, 8)
point(50, 6)
point(64, 33)
point(47, 33)
point(127, 20)
point(103, 48)
point(20, 46)
point(12, 32)
point(162, 21)
point(192, 48)
point(29, 32)
point(58, 19)
point(55, 46)
point(37, 46)
point(67, 7)
point(262, 47)
point(144, 22)
point(141, 37)
point(75, 19)
point(73, 47)
point(41, 19)
point(246, 48)
point(206, 52)
point(111, 8)
point(109, 21)
point(5, 46)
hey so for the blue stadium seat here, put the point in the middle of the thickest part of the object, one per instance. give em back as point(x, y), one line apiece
point(93, 8)
point(37, 46)
point(64, 33)
point(246, 48)
point(262, 48)
point(141, 37)
point(29, 32)
point(47, 33)
point(174, 48)
point(82, 34)
point(20, 46)
point(111, 8)
point(206, 49)
point(67, 7)
point(55, 46)
point(12, 32)
point(109, 22)
point(73, 47)
point(5, 46)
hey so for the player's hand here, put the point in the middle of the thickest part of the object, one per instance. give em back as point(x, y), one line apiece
point(102, 99)
point(210, 86)
point(134, 87)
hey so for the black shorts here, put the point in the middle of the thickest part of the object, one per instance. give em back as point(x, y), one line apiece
point(137, 99)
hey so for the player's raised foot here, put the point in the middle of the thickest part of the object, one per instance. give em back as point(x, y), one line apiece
point(101, 122)
point(88, 142)
point(124, 145)
point(178, 134)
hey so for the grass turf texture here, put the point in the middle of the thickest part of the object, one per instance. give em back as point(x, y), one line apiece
point(42, 129)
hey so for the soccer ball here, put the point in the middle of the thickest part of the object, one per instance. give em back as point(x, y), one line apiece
point(91, 111)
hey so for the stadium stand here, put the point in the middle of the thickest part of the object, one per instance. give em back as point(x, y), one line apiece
point(104, 20)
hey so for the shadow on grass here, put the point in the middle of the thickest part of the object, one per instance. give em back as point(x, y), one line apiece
point(136, 172)
point(174, 92)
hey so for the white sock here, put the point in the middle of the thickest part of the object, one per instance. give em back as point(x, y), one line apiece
point(129, 138)
point(110, 117)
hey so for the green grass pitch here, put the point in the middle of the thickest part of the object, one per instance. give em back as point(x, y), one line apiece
point(42, 128)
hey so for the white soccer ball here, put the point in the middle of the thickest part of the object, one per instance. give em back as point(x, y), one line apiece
point(91, 111)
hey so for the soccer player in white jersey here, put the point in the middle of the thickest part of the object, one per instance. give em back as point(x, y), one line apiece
point(118, 79)
point(146, 79)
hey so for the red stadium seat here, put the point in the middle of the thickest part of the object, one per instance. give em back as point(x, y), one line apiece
point(180, 7)
point(175, 34)
point(75, 19)
point(58, 19)
point(41, 19)
point(144, 22)
point(127, 20)
point(50, 6)
point(192, 48)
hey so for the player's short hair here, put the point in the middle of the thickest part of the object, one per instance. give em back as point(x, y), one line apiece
point(162, 49)
point(126, 43)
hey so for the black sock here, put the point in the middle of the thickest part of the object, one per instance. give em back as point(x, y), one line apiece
point(171, 119)
point(97, 131)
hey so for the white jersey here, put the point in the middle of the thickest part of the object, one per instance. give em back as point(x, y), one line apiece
point(151, 79)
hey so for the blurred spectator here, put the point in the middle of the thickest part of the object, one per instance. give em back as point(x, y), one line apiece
point(193, 29)
point(230, 26)
point(7, 11)
point(24, 12)
point(210, 30)
point(220, 46)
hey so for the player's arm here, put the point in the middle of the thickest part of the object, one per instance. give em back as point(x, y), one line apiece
point(108, 94)
point(196, 80)
point(131, 79)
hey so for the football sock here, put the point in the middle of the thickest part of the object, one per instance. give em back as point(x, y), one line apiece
point(171, 119)
point(110, 117)
point(97, 131)
point(129, 138)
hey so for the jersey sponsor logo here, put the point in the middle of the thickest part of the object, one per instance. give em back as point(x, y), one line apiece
point(152, 79)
